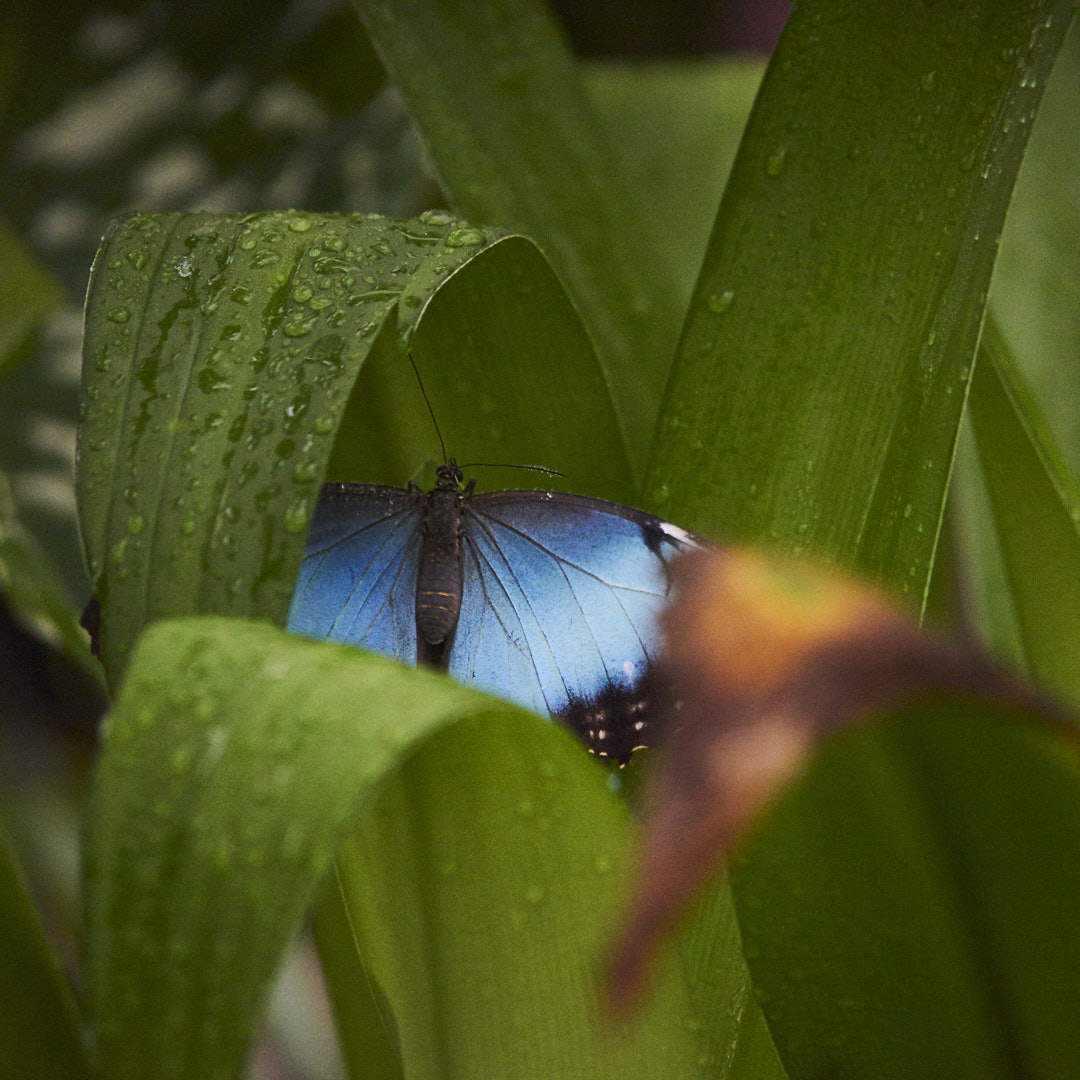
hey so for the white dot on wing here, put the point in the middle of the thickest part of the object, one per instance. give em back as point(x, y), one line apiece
point(676, 533)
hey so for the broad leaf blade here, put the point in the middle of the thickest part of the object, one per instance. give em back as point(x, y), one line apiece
point(236, 758)
point(1035, 293)
point(931, 932)
point(511, 377)
point(487, 939)
point(497, 98)
point(821, 374)
point(675, 126)
point(1036, 505)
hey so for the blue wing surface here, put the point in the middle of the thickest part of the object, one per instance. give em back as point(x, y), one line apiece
point(357, 582)
point(561, 597)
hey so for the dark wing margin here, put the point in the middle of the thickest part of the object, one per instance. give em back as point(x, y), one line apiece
point(560, 606)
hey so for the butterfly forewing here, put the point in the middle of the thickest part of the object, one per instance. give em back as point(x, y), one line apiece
point(357, 582)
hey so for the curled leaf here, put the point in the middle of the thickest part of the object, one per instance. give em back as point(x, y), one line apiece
point(767, 657)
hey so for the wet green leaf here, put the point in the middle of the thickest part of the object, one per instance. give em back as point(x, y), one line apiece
point(820, 379)
point(512, 378)
point(236, 760)
point(221, 352)
point(907, 908)
point(39, 1025)
point(499, 102)
point(1036, 510)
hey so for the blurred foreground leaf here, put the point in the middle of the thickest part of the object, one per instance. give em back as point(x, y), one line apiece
point(236, 760)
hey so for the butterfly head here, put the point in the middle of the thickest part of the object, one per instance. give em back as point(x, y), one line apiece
point(448, 477)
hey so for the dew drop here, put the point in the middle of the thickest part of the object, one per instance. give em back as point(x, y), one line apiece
point(466, 236)
point(333, 242)
point(298, 328)
point(299, 224)
point(296, 516)
point(136, 524)
point(436, 217)
point(775, 163)
point(264, 258)
point(137, 259)
point(119, 315)
point(720, 302)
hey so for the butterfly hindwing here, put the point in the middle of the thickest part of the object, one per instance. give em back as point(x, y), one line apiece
point(559, 608)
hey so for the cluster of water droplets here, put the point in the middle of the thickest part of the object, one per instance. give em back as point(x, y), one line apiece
point(226, 352)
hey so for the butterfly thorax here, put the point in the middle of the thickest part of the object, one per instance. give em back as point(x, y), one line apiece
point(439, 579)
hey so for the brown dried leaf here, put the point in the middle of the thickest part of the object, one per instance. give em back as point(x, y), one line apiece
point(767, 657)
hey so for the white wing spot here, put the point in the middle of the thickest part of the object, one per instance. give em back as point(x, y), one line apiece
point(628, 667)
point(676, 533)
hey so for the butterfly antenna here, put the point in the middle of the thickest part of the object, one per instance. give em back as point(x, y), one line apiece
point(506, 465)
point(431, 411)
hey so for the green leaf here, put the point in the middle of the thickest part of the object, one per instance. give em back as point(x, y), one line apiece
point(675, 126)
point(735, 1039)
point(32, 590)
point(1036, 506)
point(498, 100)
point(486, 939)
point(907, 908)
point(1035, 293)
point(821, 375)
point(367, 1045)
point(27, 296)
point(221, 352)
point(235, 762)
point(511, 376)
point(39, 1026)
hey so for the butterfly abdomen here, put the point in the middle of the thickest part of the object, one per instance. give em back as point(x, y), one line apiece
point(438, 582)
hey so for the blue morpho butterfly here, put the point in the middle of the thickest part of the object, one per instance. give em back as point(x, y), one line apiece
point(545, 599)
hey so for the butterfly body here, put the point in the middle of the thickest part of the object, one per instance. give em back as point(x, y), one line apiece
point(440, 574)
point(544, 598)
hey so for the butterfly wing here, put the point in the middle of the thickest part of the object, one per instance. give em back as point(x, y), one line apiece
point(559, 609)
point(357, 582)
